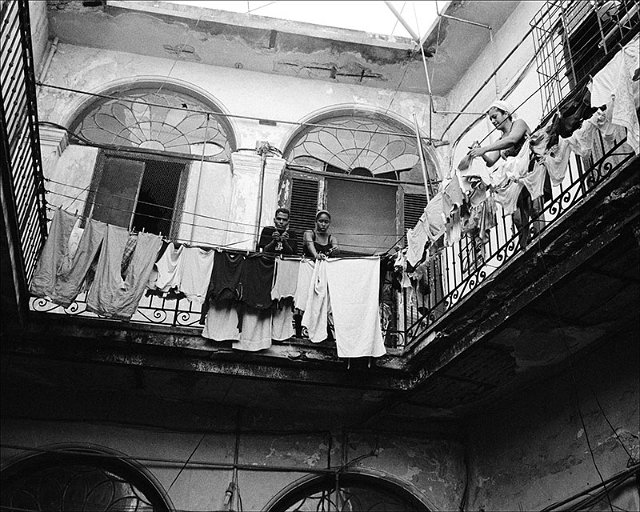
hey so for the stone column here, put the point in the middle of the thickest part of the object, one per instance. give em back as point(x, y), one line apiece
point(243, 208)
point(273, 170)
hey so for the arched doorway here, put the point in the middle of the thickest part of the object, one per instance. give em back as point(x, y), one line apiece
point(356, 492)
point(75, 479)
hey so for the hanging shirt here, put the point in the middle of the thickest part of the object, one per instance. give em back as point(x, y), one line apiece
point(225, 277)
point(256, 280)
point(221, 323)
point(168, 268)
point(195, 270)
point(353, 288)
point(110, 295)
point(285, 279)
point(615, 81)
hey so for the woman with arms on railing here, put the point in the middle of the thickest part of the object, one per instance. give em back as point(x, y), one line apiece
point(319, 243)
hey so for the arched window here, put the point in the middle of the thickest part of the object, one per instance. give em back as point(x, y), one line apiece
point(160, 118)
point(355, 493)
point(82, 480)
point(365, 168)
point(149, 135)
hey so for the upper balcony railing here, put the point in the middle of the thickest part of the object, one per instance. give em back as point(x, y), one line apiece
point(451, 273)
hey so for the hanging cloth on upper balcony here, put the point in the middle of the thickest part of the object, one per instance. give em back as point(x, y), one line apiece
point(452, 196)
point(305, 273)
point(167, 269)
point(256, 330)
point(317, 306)
point(195, 270)
point(353, 286)
point(615, 81)
point(224, 284)
point(430, 227)
point(221, 323)
point(60, 273)
point(256, 280)
point(110, 295)
point(282, 320)
point(285, 279)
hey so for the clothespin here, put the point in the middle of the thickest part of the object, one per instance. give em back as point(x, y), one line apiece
point(76, 212)
point(369, 362)
point(348, 364)
point(142, 229)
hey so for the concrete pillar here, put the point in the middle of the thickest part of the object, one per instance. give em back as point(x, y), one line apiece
point(53, 141)
point(272, 172)
point(246, 169)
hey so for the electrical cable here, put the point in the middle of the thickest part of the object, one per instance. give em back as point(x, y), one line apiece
point(220, 114)
point(572, 372)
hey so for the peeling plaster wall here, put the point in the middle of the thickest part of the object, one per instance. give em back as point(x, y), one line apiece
point(237, 91)
point(432, 470)
point(533, 451)
point(215, 190)
point(39, 34)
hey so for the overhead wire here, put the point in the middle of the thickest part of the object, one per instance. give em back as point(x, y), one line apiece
point(219, 114)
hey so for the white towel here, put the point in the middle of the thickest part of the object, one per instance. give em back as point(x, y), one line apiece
point(354, 288)
point(317, 307)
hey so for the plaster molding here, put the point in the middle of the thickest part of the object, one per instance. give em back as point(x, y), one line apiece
point(53, 139)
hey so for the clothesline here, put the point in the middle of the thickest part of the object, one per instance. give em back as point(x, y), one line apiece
point(207, 246)
point(184, 212)
point(221, 114)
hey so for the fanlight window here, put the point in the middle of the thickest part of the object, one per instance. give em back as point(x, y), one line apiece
point(157, 119)
point(357, 144)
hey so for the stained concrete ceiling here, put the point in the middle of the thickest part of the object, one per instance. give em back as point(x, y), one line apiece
point(283, 47)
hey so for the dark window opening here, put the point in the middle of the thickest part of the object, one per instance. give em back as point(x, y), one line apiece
point(137, 193)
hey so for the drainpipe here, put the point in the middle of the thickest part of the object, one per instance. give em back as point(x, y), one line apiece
point(262, 150)
point(47, 63)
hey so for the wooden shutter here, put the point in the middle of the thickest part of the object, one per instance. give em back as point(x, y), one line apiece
point(414, 205)
point(303, 207)
point(117, 191)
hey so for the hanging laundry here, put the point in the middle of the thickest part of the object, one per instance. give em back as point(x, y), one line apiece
point(453, 231)
point(507, 194)
point(221, 322)
point(168, 268)
point(615, 81)
point(353, 289)
point(534, 180)
point(317, 306)
point(285, 279)
point(225, 277)
point(57, 248)
point(417, 237)
point(59, 276)
point(305, 273)
point(452, 196)
point(477, 171)
point(110, 295)
point(282, 327)
point(195, 270)
point(256, 280)
point(256, 330)
point(127, 255)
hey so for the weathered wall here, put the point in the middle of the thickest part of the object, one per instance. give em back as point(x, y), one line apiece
point(236, 91)
point(39, 34)
point(431, 469)
point(532, 451)
point(504, 40)
point(221, 196)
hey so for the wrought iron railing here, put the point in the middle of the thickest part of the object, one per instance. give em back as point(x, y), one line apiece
point(20, 139)
point(503, 244)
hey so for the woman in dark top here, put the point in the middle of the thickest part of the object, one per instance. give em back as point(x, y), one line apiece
point(318, 242)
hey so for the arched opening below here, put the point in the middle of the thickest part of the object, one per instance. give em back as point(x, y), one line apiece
point(355, 492)
point(79, 479)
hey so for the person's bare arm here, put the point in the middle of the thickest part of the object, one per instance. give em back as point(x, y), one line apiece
point(307, 239)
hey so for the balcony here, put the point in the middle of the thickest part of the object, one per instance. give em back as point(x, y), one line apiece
point(456, 273)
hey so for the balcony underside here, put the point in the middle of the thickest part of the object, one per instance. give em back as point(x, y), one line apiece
point(576, 287)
